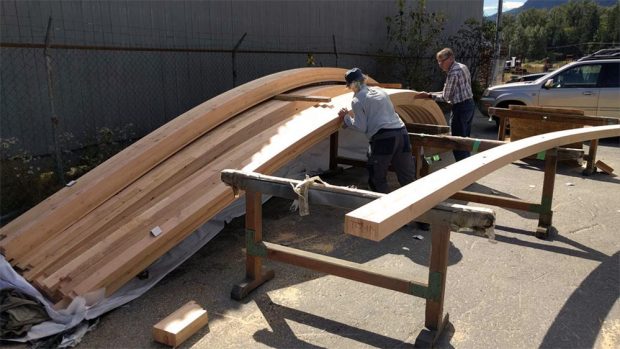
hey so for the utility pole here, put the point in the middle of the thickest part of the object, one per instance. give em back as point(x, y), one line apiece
point(498, 28)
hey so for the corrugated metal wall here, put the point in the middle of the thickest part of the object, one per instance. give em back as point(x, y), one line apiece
point(133, 92)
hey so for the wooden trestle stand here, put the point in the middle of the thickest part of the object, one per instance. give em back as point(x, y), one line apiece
point(442, 219)
point(542, 208)
point(425, 136)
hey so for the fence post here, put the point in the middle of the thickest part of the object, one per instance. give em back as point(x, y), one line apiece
point(50, 91)
point(496, 46)
point(335, 50)
point(234, 61)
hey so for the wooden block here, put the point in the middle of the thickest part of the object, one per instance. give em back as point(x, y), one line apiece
point(181, 324)
point(604, 167)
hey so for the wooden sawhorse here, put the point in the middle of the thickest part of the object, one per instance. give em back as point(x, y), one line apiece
point(542, 208)
point(441, 218)
point(531, 120)
point(424, 136)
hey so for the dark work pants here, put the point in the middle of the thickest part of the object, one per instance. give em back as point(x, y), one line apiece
point(390, 147)
point(460, 124)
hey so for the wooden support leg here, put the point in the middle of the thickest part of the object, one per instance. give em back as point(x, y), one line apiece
point(333, 151)
point(419, 159)
point(501, 130)
point(254, 273)
point(435, 322)
point(545, 214)
point(590, 164)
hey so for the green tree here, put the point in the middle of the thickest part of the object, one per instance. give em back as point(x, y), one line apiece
point(473, 42)
point(412, 35)
point(575, 28)
point(609, 25)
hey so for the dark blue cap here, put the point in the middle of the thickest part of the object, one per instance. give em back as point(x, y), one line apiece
point(354, 74)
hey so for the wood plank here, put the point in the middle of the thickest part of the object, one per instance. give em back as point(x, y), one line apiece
point(431, 129)
point(305, 98)
point(70, 203)
point(554, 117)
point(386, 85)
point(546, 109)
point(382, 217)
point(181, 324)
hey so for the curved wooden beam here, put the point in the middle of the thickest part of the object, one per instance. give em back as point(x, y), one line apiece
point(152, 186)
point(58, 211)
point(382, 217)
point(422, 111)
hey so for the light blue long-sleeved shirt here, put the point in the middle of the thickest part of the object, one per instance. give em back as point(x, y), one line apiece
point(373, 111)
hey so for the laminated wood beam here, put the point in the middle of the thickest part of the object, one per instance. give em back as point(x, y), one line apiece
point(150, 187)
point(238, 144)
point(181, 214)
point(305, 98)
point(382, 217)
point(71, 203)
point(583, 120)
point(431, 129)
point(386, 85)
point(116, 211)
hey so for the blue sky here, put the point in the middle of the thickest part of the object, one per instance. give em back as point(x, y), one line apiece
point(490, 6)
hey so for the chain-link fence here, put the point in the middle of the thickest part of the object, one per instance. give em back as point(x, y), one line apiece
point(90, 102)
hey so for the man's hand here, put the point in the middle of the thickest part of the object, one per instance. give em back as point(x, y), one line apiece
point(422, 95)
point(342, 113)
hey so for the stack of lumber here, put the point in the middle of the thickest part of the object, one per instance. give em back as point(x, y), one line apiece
point(123, 215)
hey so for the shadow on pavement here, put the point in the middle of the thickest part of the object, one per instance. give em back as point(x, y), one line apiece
point(582, 252)
point(283, 337)
point(580, 319)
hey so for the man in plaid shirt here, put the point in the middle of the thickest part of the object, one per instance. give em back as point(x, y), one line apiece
point(457, 91)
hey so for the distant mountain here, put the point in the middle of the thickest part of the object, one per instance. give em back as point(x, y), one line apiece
point(546, 4)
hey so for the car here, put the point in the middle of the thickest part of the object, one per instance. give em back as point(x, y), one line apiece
point(528, 77)
point(592, 85)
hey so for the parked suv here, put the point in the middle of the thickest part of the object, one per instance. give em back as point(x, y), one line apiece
point(592, 85)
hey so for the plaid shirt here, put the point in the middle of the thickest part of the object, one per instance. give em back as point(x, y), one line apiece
point(457, 87)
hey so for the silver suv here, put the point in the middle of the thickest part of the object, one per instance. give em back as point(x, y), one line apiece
point(590, 85)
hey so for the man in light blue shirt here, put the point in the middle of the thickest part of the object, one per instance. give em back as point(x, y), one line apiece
point(373, 114)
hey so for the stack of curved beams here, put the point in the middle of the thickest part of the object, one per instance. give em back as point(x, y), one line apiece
point(98, 233)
